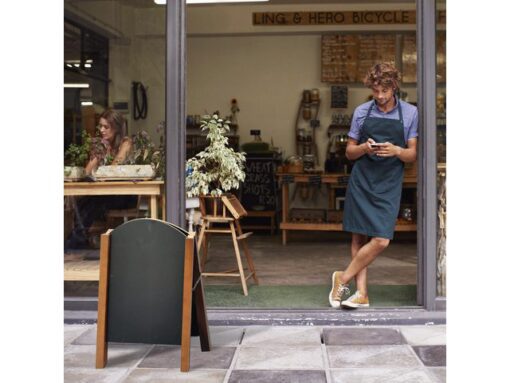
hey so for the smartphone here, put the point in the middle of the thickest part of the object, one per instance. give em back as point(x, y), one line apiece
point(376, 145)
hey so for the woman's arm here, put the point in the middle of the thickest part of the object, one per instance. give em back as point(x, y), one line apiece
point(91, 166)
point(124, 150)
point(405, 155)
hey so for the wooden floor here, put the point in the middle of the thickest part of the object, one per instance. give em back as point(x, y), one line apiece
point(308, 259)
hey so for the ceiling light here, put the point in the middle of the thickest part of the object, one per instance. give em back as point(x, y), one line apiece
point(76, 85)
point(87, 103)
point(162, 2)
point(88, 65)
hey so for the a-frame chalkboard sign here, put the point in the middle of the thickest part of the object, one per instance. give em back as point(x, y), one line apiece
point(150, 288)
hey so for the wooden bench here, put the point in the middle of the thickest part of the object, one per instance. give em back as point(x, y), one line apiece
point(271, 214)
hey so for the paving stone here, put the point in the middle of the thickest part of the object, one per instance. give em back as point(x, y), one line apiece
point(431, 355)
point(362, 336)
point(280, 358)
point(424, 335)
point(282, 336)
point(119, 355)
point(439, 373)
point(147, 375)
point(71, 332)
point(222, 336)
point(170, 357)
point(92, 375)
point(279, 376)
point(87, 338)
point(372, 356)
point(380, 375)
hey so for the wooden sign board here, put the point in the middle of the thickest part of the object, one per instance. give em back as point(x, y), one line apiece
point(386, 17)
point(335, 17)
point(149, 284)
point(346, 58)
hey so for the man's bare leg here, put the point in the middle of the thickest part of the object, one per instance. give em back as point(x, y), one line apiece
point(364, 257)
point(358, 241)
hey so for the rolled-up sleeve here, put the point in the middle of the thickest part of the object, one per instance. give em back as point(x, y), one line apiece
point(413, 129)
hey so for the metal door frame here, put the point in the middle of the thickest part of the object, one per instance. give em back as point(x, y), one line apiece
point(427, 162)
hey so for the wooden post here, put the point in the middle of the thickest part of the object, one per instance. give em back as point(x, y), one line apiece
point(102, 304)
point(186, 303)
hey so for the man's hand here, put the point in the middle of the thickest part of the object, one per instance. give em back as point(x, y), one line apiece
point(387, 149)
point(369, 149)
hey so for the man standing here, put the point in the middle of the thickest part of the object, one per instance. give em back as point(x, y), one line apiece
point(382, 137)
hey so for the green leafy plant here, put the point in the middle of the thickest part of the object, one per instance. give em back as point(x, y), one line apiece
point(218, 168)
point(78, 155)
point(146, 153)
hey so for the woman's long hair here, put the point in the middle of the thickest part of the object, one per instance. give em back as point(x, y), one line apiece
point(118, 124)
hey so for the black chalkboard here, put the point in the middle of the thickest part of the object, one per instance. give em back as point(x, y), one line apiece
point(145, 283)
point(259, 189)
point(150, 288)
point(339, 96)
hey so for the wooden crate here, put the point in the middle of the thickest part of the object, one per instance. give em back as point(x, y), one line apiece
point(307, 215)
point(334, 216)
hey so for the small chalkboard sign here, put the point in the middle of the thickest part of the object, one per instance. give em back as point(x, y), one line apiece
point(259, 189)
point(150, 288)
point(339, 96)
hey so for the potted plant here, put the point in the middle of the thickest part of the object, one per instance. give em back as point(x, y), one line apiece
point(218, 168)
point(145, 162)
point(76, 157)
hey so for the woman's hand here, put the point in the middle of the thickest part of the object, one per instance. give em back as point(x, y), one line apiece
point(387, 149)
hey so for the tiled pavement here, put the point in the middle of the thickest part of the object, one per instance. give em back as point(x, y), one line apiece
point(270, 354)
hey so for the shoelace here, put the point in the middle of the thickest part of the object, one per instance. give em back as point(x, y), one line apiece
point(342, 289)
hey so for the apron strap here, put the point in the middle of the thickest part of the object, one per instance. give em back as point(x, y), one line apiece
point(369, 110)
point(400, 117)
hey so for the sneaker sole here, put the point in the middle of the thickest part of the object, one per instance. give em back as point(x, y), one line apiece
point(354, 305)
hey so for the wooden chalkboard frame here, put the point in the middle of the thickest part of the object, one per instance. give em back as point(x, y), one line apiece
point(192, 297)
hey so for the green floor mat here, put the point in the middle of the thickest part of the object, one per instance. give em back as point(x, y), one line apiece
point(310, 296)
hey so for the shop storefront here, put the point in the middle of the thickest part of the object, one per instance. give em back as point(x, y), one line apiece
point(289, 75)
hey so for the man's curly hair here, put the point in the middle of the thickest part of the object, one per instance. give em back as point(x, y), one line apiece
point(384, 74)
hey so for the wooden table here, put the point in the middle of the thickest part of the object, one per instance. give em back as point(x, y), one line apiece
point(333, 181)
point(149, 188)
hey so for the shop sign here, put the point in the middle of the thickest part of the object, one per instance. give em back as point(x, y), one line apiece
point(339, 18)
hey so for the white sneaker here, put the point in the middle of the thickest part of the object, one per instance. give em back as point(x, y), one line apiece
point(355, 301)
point(337, 290)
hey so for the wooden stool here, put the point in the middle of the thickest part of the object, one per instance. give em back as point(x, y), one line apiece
point(223, 211)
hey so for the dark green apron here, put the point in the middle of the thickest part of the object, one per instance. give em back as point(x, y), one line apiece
point(373, 194)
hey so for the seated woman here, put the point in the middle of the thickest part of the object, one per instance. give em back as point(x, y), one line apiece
point(112, 127)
